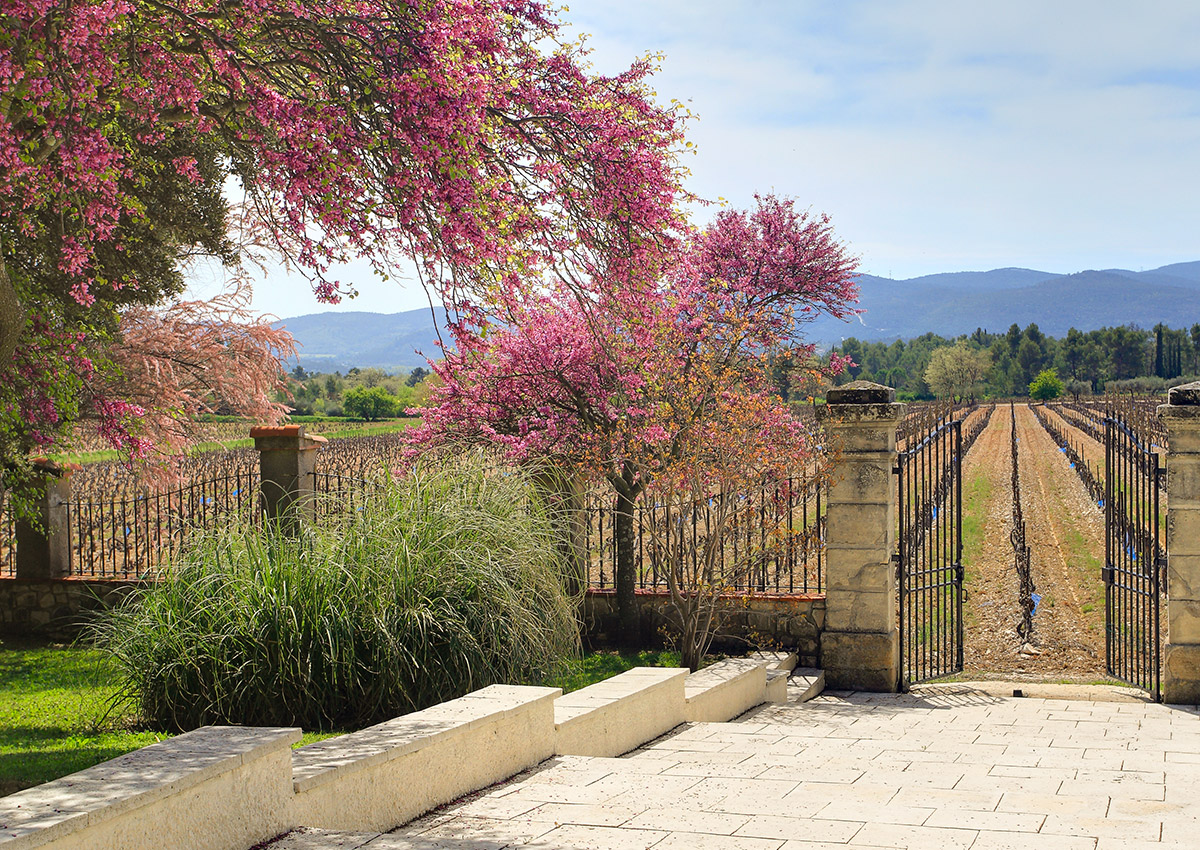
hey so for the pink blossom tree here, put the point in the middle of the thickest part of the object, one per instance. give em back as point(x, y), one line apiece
point(464, 133)
point(652, 382)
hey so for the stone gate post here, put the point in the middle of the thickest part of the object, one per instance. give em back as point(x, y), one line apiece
point(566, 502)
point(1181, 658)
point(44, 546)
point(860, 646)
point(287, 459)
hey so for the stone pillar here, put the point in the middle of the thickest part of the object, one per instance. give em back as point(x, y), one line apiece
point(565, 501)
point(1181, 659)
point(44, 545)
point(860, 646)
point(287, 459)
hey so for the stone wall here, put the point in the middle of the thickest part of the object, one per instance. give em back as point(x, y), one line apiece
point(792, 622)
point(56, 609)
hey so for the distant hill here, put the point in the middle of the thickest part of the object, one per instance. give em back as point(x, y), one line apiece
point(953, 304)
point(946, 304)
point(336, 342)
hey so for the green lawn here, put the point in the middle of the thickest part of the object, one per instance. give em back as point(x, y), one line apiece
point(597, 666)
point(59, 711)
point(57, 714)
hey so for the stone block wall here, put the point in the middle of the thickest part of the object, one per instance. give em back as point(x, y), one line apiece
point(56, 609)
point(794, 621)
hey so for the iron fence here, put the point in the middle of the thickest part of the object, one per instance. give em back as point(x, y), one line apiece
point(132, 536)
point(1135, 561)
point(337, 493)
point(779, 526)
point(929, 552)
point(8, 538)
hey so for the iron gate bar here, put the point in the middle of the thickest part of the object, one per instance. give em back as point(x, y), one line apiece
point(1133, 559)
point(929, 554)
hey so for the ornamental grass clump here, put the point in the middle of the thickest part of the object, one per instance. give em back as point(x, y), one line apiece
point(446, 581)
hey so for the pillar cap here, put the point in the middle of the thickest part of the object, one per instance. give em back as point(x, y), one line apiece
point(53, 468)
point(1183, 402)
point(1185, 394)
point(284, 438)
point(277, 431)
point(860, 392)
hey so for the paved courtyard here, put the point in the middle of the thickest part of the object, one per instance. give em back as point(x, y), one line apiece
point(947, 767)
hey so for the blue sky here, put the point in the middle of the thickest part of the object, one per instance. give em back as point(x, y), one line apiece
point(939, 136)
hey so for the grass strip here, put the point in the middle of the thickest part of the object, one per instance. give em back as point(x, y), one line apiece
point(58, 715)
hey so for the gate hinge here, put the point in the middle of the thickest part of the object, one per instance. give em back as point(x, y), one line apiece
point(1108, 574)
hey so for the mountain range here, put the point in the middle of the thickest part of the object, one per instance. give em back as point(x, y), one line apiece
point(946, 304)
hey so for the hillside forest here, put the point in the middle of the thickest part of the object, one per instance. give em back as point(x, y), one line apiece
point(369, 394)
point(1111, 358)
point(996, 365)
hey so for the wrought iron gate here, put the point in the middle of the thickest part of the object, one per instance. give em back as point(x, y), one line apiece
point(929, 554)
point(1134, 560)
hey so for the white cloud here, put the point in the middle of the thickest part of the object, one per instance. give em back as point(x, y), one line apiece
point(939, 135)
point(942, 135)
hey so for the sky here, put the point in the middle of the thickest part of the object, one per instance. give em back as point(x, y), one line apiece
point(938, 136)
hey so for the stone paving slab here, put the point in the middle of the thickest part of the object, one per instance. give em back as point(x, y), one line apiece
point(947, 767)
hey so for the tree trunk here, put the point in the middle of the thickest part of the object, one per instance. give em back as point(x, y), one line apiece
point(12, 316)
point(625, 542)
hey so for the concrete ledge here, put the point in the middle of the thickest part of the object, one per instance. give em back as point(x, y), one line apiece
point(777, 660)
point(210, 789)
point(228, 788)
point(614, 716)
point(726, 689)
point(385, 775)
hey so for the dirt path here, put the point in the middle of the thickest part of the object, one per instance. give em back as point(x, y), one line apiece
point(1065, 533)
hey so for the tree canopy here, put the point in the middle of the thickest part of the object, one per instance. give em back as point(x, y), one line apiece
point(662, 382)
point(957, 371)
point(468, 135)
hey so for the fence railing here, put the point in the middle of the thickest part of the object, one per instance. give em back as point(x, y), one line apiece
point(779, 525)
point(115, 533)
point(8, 539)
point(336, 493)
point(132, 536)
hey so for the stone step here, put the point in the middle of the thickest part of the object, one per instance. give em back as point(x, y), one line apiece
point(777, 660)
point(805, 683)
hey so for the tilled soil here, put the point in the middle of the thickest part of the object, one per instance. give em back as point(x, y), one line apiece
point(1065, 533)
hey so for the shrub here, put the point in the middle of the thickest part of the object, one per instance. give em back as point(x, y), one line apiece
point(1045, 386)
point(370, 403)
point(446, 581)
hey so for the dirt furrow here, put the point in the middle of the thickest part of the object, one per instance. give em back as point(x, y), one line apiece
point(1065, 532)
point(990, 636)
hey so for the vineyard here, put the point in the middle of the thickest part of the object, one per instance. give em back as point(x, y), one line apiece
point(122, 526)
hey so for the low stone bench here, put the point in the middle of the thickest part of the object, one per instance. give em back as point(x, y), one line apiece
point(724, 690)
point(385, 775)
point(211, 789)
point(623, 712)
point(779, 668)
